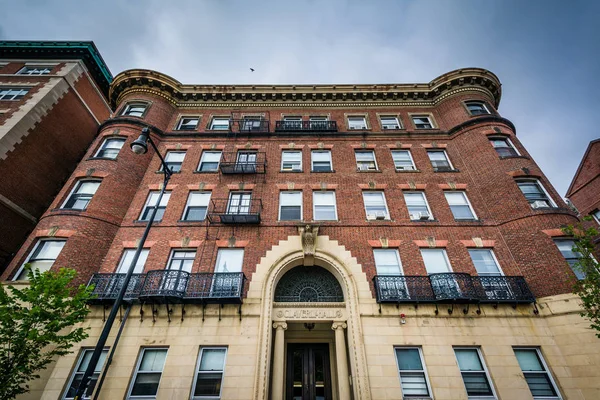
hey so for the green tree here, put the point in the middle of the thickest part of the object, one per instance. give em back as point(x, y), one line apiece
point(587, 288)
point(36, 325)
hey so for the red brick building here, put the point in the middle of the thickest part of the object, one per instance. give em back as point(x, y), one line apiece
point(53, 98)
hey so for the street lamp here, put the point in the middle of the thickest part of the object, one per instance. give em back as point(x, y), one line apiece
point(138, 146)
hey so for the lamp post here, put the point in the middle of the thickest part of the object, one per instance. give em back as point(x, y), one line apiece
point(139, 146)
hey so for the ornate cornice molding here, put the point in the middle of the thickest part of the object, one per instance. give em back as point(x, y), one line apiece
point(267, 96)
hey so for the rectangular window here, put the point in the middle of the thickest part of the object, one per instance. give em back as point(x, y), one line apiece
point(318, 123)
point(219, 124)
point(477, 107)
point(174, 159)
point(110, 148)
point(321, 161)
point(440, 274)
point(135, 109)
point(209, 162)
point(13, 93)
point(357, 123)
point(565, 246)
point(596, 215)
point(196, 206)
point(246, 161)
point(485, 262)
point(81, 195)
point(504, 147)
point(535, 193)
point(229, 260)
point(389, 123)
point(413, 377)
point(239, 203)
point(209, 373)
point(422, 122)
point(365, 160)
point(474, 374)
point(536, 373)
point(127, 258)
point(151, 205)
point(148, 372)
point(439, 161)
point(181, 260)
point(418, 209)
point(292, 123)
point(188, 123)
point(37, 70)
point(291, 160)
point(42, 257)
point(387, 262)
point(290, 206)
point(460, 205)
point(436, 261)
point(403, 160)
point(324, 208)
point(251, 123)
point(375, 205)
point(82, 364)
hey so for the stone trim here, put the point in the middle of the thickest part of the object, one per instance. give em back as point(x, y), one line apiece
point(373, 186)
point(412, 186)
point(231, 243)
point(290, 186)
point(159, 186)
point(184, 243)
point(479, 243)
point(178, 146)
point(452, 186)
point(55, 231)
point(202, 187)
point(134, 243)
point(324, 186)
point(384, 243)
point(241, 186)
point(434, 146)
point(431, 243)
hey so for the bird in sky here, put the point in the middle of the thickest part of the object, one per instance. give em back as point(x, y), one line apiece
point(252, 69)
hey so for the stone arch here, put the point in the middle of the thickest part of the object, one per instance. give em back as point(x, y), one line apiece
point(308, 284)
point(334, 257)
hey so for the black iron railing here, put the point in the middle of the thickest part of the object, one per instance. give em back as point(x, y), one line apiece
point(107, 286)
point(163, 286)
point(235, 210)
point(243, 163)
point(249, 126)
point(452, 287)
point(305, 126)
point(220, 287)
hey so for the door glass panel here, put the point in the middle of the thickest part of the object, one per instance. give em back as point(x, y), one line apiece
point(297, 365)
point(319, 375)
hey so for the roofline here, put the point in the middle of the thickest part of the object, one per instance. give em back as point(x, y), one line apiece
point(571, 190)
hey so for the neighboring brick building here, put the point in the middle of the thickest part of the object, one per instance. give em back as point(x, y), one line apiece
point(53, 98)
point(430, 212)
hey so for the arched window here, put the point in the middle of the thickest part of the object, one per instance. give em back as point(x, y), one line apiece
point(308, 284)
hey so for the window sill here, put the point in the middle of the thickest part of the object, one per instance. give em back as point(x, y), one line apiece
point(139, 221)
point(424, 220)
point(69, 210)
point(132, 116)
point(402, 171)
point(162, 172)
point(186, 130)
point(101, 158)
point(379, 220)
point(323, 172)
point(468, 220)
point(290, 172)
point(206, 172)
point(190, 221)
point(369, 170)
point(508, 157)
point(450, 171)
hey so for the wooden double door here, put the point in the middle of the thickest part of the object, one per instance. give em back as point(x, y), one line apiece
point(308, 372)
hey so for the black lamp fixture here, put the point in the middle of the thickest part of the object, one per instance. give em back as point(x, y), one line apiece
point(140, 145)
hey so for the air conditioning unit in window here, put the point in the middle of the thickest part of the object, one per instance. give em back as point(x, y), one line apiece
point(414, 217)
point(351, 128)
point(423, 215)
point(385, 127)
point(540, 204)
point(363, 167)
point(371, 217)
point(380, 215)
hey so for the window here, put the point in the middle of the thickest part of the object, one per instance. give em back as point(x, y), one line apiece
point(459, 205)
point(293, 123)
point(403, 160)
point(357, 123)
point(418, 209)
point(474, 374)
point(387, 262)
point(127, 258)
point(219, 124)
point(196, 206)
point(389, 123)
point(596, 215)
point(318, 123)
point(565, 246)
point(413, 377)
point(536, 373)
point(13, 93)
point(42, 257)
point(365, 160)
point(439, 161)
point(239, 203)
point(151, 205)
point(251, 123)
point(477, 107)
point(324, 206)
point(321, 161)
point(291, 160)
point(135, 109)
point(174, 159)
point(440, 274)
point(375, 205)
point(290, 206)
point(535, 193)
point(209, 373)
point(422, 122)
point(504, 147)
point(485, 262)
point(110, 148)
point(246, 161)
point(229, 260)
point(436, 261)
point(81, 195)
point(147, 374)
point(181, 260)
point(82, 363)
point(188, 123)
point(209, 162)
point(37, 70)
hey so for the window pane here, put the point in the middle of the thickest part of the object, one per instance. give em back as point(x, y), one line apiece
point(484, 262)
point(456, 198)
point(48, 249)
point(437, 156)
point(208, 385)
point(230, 260)
point(435, 261)
point(199, 199)
point(127, 258)
point(321, 156)
point(212, 360)
point(365, 156)
point(528, 360)
point(324, 198)
point(387, 262)
point(153, 360)
point(290, 198)
point(173, 156)
point(468, 360)
point(477, 384)
point(146, 384)
point(290, 213)
point(409, 359)
point(540, 385)
point(211, 156)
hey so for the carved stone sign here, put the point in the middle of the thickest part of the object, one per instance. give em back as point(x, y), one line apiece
point(309, 314)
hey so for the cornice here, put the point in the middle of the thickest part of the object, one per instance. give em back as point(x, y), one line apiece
point(268, 96)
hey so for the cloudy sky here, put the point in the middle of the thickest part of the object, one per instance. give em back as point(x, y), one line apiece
point(546, 53)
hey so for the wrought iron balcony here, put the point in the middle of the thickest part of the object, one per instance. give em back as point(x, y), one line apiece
point(107, 287)
point(220, 287)
point(243, 162)
point(249, 125)
point(305, 126)
point(452, 287)
point(235, 210)
point(164, 286)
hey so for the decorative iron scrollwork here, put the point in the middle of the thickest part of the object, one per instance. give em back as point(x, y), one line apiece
point(308, 284)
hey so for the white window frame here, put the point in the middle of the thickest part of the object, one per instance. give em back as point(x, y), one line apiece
point(17, 93)
point(446, 259)
point(73, 191)
point(283, 158)
point(187, 205)
point(141, 262)
point(395, 117)
point(429, 119)
point(202, 160)
point(166, 195)
point(353, 126)
point(464, 194)
point(137, 370)
point(414, 167)
point(359, 164)
point(219, 127)
point(424, 370)
point(32, 252)
point(180, 123)
point(546, 370)
point(426, 204)
point(104, 144)
point(312, 153)
point(395, 251)
point(507, 140)
point(445, 155)
point(539, 183)
point(479, 102)
point(35, 70)
point(222, 251)
point(75, 371)
point(387, 210)
point(197, 372)
point(166, 158)
point(491, 251)
point(334, 205)
point(292, 205)
point(484, 370)
point(596, 215)
point(135, 104)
